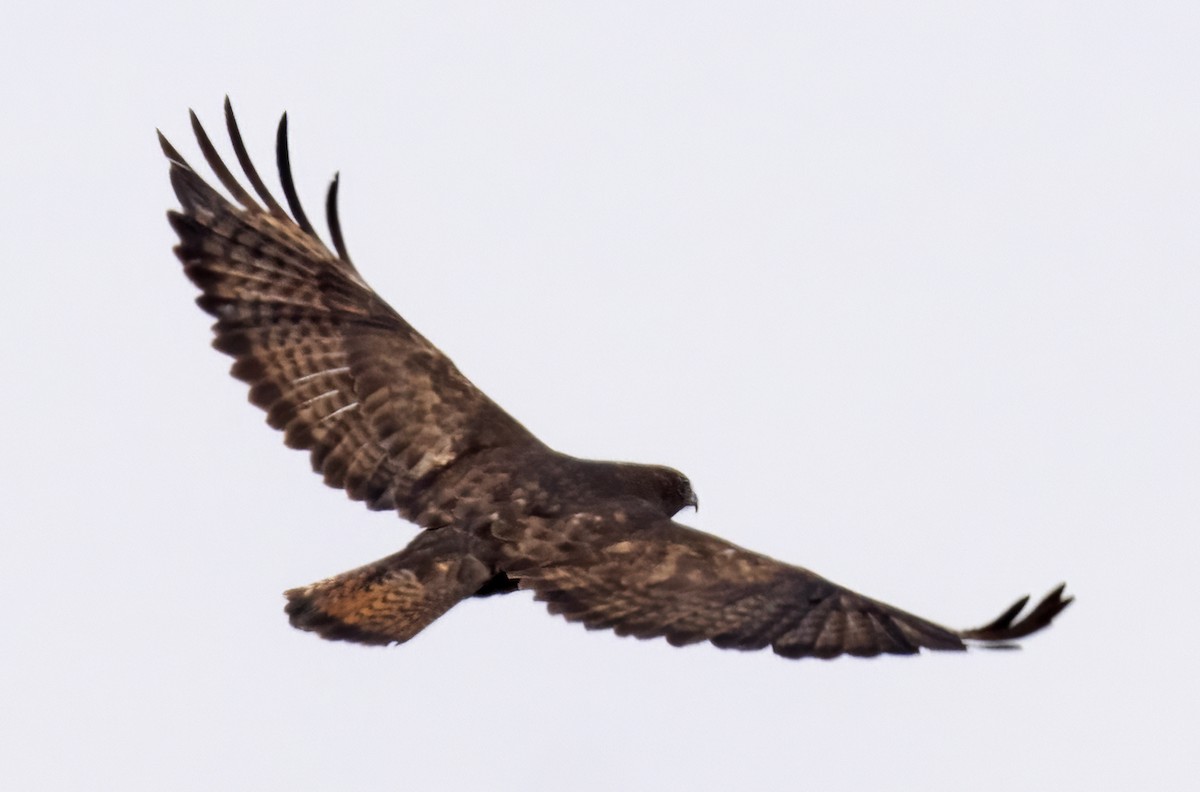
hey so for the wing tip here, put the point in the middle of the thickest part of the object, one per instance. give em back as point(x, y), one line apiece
point(1001, 631)
point(171, 153)
point(293, 214)
point(284, 164)
point(247, 165)
point(332, 219)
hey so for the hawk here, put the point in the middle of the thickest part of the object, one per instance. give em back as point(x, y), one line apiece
point(388, 418)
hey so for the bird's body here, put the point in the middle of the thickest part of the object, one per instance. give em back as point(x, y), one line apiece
point(387, 417)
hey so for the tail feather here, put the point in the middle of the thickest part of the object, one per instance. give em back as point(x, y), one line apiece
point(393, 599)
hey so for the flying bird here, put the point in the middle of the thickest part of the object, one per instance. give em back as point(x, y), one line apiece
point(388, 418)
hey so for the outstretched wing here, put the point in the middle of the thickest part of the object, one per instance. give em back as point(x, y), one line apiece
point(381, 410)
point(657, 578)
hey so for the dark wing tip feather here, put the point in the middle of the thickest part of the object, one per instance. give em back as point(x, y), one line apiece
point(1003, 627)
point(170, 151)
point(283, 160)
point(218, 165)
point(335, 224)
point(239, 147)
point(193, 191)
point(1005, 620)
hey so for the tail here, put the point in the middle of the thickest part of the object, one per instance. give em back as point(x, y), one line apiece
point(394, 598)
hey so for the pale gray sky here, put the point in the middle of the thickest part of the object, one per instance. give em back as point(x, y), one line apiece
point(908, 290)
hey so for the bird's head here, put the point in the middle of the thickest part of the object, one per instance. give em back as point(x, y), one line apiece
point(672, 489)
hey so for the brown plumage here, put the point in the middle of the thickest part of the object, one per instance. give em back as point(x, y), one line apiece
point(387, 417)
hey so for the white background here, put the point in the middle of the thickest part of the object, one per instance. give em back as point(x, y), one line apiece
point(908, 290)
